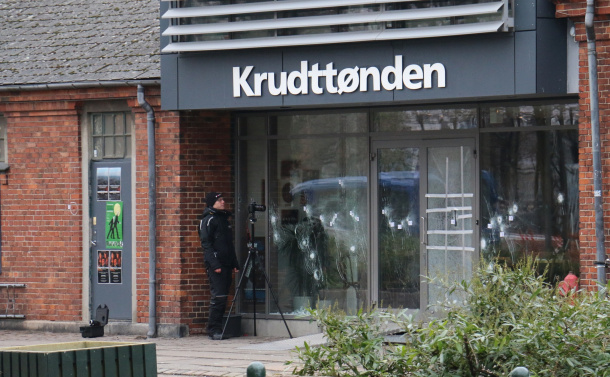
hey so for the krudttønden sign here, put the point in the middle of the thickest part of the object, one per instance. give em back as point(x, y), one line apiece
point(312, 79)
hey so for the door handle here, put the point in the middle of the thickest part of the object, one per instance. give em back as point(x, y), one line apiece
point(422, 230)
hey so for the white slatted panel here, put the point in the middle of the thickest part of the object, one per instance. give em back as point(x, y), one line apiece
point(235, 26)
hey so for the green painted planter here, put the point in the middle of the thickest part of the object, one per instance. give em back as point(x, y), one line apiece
point(80, 359)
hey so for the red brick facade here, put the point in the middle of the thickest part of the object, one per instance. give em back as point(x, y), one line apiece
point(42, 240)
point(575, 10)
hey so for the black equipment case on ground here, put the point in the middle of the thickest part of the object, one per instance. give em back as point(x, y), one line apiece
point(96, 326)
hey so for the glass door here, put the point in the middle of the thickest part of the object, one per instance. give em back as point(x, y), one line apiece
point(423, 205)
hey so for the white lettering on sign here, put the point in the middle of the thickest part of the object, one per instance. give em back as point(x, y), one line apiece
point(351, 79)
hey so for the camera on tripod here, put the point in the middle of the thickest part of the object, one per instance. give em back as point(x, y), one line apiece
point(253, 207)
point(250, 262)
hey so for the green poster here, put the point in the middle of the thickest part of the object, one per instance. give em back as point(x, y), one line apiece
point(114, 225)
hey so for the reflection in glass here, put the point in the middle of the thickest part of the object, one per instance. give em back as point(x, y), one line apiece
point(321, 123)
point(252, 126)
point(449, 231)
point(530, 115)
point(108, 184)
point(102, 184)
point(318, 217)
point(399, 243)
point(529, 198)
point(253, 156)
point(425, 120)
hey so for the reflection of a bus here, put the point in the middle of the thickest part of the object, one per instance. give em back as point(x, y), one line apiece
point(322, 193)
point(403, 183)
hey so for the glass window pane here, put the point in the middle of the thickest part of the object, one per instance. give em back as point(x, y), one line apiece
point(119, 146)
point(307, 13)
point(318, 209)
point(119, 123)
point(529, 198)
point(108, 124)
point(425, 120)
point(449, 209)
point(253, 155)
point(127, 146)
point(98, 147)
point(530, 115)
point(109, 146)
point(98, 126)
point(205, 20)
point(252, 126)
point(321, 123)
point(398, 228)
point(110, 135)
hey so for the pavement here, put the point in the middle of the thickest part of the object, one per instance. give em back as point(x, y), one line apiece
point(195, 355)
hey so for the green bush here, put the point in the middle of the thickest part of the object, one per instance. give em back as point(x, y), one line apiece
point(509, 317)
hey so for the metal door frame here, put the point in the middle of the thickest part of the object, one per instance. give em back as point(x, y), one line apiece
point(423, 145)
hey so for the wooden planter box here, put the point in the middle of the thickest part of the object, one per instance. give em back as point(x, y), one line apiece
point(80, 359)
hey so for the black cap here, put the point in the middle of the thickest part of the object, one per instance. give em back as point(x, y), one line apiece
point(211, 198)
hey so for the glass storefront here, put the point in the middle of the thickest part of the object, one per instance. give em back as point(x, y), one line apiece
point(361, 204)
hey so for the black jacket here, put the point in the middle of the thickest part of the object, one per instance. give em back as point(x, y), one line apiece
point(216, 238)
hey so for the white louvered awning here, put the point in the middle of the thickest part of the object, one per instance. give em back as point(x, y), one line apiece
point(223, 26)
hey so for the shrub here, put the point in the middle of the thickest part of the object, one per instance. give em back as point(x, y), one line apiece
point(509, 317)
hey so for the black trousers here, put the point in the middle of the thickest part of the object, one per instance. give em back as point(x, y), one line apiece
point(220, 283)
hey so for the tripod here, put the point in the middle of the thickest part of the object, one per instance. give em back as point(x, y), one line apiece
point(251, 262)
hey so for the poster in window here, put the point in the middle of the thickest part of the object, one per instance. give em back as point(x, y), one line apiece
point(116, 267)
point(103, 273)
point(114, 225)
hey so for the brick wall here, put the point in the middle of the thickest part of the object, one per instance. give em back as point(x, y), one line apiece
point(207, 160)
point(41, 237)
point(42, 242)
point(575, 10)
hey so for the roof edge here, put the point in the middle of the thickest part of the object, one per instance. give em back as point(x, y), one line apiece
point(80, 85)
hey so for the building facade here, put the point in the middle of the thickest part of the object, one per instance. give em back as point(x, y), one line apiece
point(392, 145)
point(75, 200)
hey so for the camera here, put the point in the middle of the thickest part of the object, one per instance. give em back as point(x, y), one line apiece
point(253, 207)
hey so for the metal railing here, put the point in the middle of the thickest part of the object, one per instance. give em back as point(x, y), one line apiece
point(11, 298)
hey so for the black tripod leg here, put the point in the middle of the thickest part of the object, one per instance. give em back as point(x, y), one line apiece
point(276, 303)
point(237, 291)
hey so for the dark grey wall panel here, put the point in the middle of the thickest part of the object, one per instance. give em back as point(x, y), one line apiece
point(525, 62)
point(169, 82)
point(551, 59)
point(525, 15)
point(206, 80)
point(343, 56)
point(545, 9)
point(476, 66)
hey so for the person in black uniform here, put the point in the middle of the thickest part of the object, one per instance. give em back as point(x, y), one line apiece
point(219, 258)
